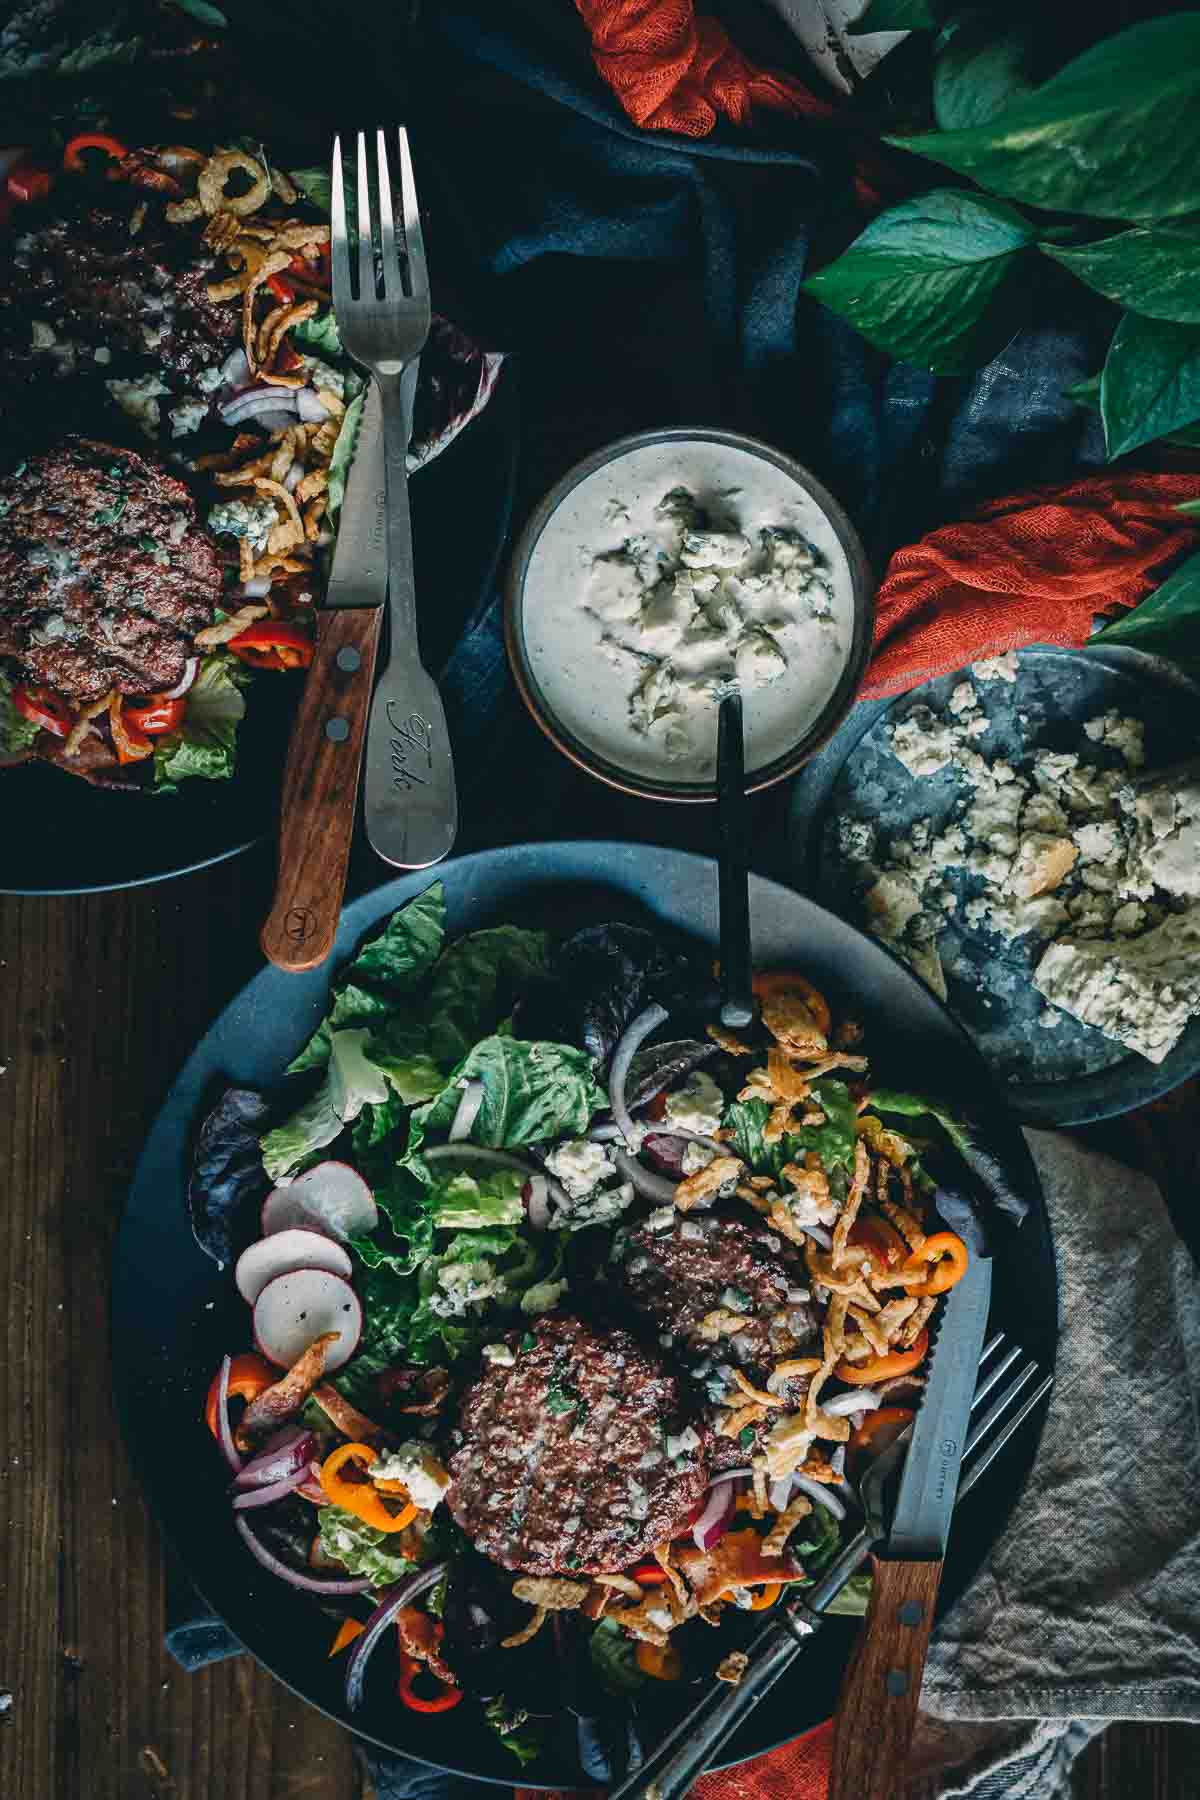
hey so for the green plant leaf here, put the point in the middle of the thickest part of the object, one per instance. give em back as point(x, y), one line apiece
point(1168, 620)
point(982, 69)
point(206, 14)
point(1150, 384)
point(896, 15)
point(1114, 135)
point(924, 281)
point(1153, 270)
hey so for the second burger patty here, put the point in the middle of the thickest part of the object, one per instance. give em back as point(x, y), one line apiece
point(570, 1459)
point(105, 573)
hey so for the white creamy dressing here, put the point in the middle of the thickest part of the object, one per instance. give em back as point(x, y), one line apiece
point(634, 626)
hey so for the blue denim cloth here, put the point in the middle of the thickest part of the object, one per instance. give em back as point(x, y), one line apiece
point(641, 279)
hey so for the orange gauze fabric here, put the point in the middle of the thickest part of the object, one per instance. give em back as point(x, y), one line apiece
point(795, 1771)
point(1032, 568)
point(672, 69)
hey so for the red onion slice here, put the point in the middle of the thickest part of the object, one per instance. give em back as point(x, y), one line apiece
point(266, 1496)
point(235, 370)
point(403, 1594)
point(257, 588)
point(224, 1430)
point(185, 681)
point(780, 1492)
point(819, 1235)
point(311, 1489)
point(628, 1045)
point(288, 1451)
point(652, 1187)
point(258, 400)
point(819, 1494)
point(861, 1400)
point(310, 406)
point(258, 1550)
point(718, 1510)
point(468, 1111)
point(294, 477)
point(495, 1159)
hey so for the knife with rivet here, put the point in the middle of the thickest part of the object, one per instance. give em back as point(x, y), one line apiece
point(320, 782)
point(877, 1710)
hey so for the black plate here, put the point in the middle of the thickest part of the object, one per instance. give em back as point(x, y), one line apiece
point(175, 1314)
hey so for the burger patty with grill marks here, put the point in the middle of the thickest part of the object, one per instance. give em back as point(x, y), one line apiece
point(565, 1463)
point(105, 573)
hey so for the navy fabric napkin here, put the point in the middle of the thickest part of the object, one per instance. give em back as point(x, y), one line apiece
point(641, 279)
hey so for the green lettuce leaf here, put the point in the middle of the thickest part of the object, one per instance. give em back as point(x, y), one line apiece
point(524, 1736)
point(833, 1141)
point(316, 185)
point(351, 1080)
point(614, 1659)
point(319, 334)
point(16, 733)
point(343, 455)
point(206, 743)
point(920, 1106)
point(530, 1091)
point(402, 1051)
point(388, 1303)
point(360, 1548)
point(404, 1237)
point(476, 982)
point(464, 1202)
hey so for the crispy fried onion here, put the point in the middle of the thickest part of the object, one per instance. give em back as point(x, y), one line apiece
point(731, 1668)
point(707, 1182)
point(546, 1594)
point(347, 1418)
point(280, 1402)
point(83, 727)
point(212, 635)
point(734, 1561)
point(775, 1542)
point(210, 187)
point(722, 1322)
point(419, 1639)
point(839, 1252)
point(725, 1040)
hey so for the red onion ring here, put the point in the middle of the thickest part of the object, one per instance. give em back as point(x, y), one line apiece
point(289, 1450)
point(311, 1489)
point(310, 406)
point(403, 1594)
point(496, 1159)
point(536, 1194)
point(718, 1510)
point(275, 1490)
point(258, 1550)
point(229, 1449)
point(468, 1111)
point(258, 400)
point(819, 1494)
point(819, 1236)
point(235, 369)
point(650, 1186)
point(185, 681)
point(861, 1400)
point(628, 1045)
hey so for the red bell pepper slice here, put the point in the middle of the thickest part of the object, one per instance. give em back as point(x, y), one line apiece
point(74, 160)
point(41, 707)
point(130, 743)
point(282, 288)
point(273, 644)
point(156, 715)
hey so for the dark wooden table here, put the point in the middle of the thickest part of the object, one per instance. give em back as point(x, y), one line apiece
point(100, 1000)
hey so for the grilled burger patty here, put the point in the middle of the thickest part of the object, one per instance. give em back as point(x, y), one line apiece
point(708, 1264)
point(105, 574)
point(83, 297)
point(564, 1464)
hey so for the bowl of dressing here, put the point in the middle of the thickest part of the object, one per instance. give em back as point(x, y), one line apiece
point(662, 570)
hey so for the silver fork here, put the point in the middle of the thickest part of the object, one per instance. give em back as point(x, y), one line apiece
point(410, 807)
point(674, 1764)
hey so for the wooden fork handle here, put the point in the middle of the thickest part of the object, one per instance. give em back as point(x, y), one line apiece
point(320, 789)
point(877, 1709)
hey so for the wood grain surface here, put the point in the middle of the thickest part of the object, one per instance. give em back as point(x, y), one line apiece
point(101, 998)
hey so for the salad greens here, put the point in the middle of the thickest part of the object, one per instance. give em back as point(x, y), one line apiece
point(206, 742)
point(614, 1659)
point(360, 1548)
point(16, 733)
point(531, 1091)
point(833, 1141)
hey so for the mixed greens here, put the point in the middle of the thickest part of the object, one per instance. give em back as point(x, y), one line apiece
point(474, 1144)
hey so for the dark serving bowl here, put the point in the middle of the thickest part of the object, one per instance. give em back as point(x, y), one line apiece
point(175, 1313)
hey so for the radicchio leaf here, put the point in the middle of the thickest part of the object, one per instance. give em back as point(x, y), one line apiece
point(228, 1176)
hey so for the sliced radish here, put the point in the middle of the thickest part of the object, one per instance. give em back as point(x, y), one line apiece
point(302, 1305)
point(333, 1198)
point(284, 1251)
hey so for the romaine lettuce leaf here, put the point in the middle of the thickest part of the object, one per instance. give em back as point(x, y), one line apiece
point(352, 1080)
point(360, 1548)
point(476, 982)
point(524, 1736)
point(833, 1141)
point(369, 989)
point(530, 1091)
point(388, 1303)
point(463, 1202)
point(614, 1659)
point(206, 743)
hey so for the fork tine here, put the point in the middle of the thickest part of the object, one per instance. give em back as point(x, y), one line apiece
point(393, 282)
point(993, 1376)
point(414, 243)
point(338, 242)
point(992, 1344)
point(992, 1417)
point(366, 250)
point(984, 1460)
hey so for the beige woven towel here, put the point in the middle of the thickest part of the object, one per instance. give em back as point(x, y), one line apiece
point(1088, 1609)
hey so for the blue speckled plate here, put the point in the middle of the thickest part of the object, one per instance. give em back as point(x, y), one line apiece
point(1068, 1074)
